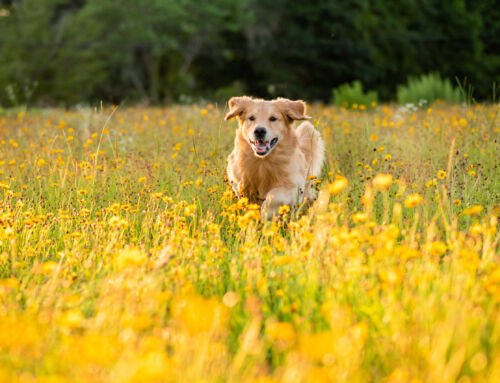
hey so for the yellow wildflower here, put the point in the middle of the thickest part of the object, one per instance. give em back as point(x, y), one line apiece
point(284, 260)
point(474, 210)
point(413, 200)
point(436, 248)
point(71, 318)
point(198, 314)
point(338, 185)
point(382, 181)
point(280, 331)
point(129, 257)
point(284, 209)
point(359, 217)
point(476, 229)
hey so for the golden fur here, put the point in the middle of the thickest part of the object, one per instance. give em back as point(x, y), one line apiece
point(281, 176)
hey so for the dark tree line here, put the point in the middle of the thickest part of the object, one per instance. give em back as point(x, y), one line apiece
point(63, 51)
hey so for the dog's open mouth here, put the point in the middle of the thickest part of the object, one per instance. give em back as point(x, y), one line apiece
point(263, 148)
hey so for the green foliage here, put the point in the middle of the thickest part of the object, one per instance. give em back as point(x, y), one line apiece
point(223, 94)
point(102, 49)
point(61, 51)
point(430, 87)
point(348, 95)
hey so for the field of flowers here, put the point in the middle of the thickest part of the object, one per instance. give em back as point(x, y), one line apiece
point(125, 256)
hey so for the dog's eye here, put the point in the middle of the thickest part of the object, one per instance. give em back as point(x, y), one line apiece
point(251, 118)
point(272, 118)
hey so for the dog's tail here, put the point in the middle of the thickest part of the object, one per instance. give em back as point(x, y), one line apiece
point(313, 147)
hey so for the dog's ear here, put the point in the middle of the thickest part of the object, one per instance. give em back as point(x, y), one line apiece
point(237, 105)
point(293, 110)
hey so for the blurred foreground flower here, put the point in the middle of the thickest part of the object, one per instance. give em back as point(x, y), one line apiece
point(339, 184)
point(198, 314)
point(359, 217)
point(436, 248)
point(130, 257)
point(284, 260)
point(474, 210)
point(281, 331)
point(413, 200)
point(382, 181)
point(71, 318)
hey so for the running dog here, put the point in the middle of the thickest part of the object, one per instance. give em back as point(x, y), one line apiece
point(272, 162)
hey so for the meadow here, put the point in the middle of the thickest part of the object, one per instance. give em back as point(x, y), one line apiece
point(125, 256)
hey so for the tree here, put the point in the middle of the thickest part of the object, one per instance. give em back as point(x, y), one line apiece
point(162, 50)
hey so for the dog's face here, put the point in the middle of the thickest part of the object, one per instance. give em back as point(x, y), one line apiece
point(264, 123)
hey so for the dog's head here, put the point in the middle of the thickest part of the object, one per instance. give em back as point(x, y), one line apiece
point(264, 123)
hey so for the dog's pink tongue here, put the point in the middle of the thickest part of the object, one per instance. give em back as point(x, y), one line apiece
point(262, 147)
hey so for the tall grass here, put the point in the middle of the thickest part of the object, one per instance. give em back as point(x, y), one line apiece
point(125, 257)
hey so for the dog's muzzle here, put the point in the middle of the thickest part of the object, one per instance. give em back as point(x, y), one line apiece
point(262, 148)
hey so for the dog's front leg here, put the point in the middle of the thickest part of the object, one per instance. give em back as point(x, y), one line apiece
point(233, 174)
point(278, 197)
point(236, 188)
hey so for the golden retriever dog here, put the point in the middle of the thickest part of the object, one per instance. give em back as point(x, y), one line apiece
point(272, 161)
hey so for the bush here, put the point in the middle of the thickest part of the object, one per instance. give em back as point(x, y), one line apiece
point(430, 87)
point(352, 95)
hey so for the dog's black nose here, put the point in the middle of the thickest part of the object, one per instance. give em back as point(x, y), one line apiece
point(260, 133)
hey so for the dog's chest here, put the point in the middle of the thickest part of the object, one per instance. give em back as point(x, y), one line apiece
point(260, 177)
